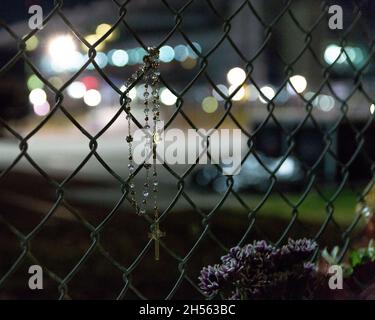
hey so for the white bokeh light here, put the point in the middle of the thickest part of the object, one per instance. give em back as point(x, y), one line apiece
point(236, 76)
point(119, 58)
point(59, 45)
point(326, 103)
point(37, 96)
point(167, 97)
point(253, 93)
point(76, 90)
point(372, 109)
point(240, 94)
point(268, 92)
point(299, 84)
point(132, 93)
point(63, 54)
point(92, 97)
point(332, 53)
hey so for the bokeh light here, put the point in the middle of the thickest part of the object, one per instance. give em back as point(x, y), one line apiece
point(92, 97)
point(268, 92)
point(76, 90)
point(181, 52)
point(192, 53)
point(32, 43)
point(209, 104)
point(236, 76)
point(42, 109)
point(102, 29)
point(167, 97)
point(33, 82)
point(37, 96)
point(252, 93)
point(189, 63)
point(326, 103)
point(223, 89)
point(298, 84)
point(61, 45)
point(240, 94)
point(119, 58)
point(132, 93)
point(332, 53)
point(166, 54)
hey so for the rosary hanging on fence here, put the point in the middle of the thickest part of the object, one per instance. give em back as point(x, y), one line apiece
point(150, 72)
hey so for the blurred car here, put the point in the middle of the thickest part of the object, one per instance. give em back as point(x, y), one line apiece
point(253, 175)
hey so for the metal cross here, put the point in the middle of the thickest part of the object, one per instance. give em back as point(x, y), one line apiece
point(156, 235)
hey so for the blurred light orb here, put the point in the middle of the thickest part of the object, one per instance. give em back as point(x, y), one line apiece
point(32, 43)
point(33, 82)
point(298, 84)
point(119, 58)
point(372, 109)
point(37, 96)
point(42, 109)
point(139, 54)
point(252, 92)
point(101, 59)
point(90, 82)
point(268, 92)
point(192, 53)
point(61, 46)
point(209, 104)
point(332, 53)
point(132, 93)
point(181, 52)
point(132, 56)
point(167, 97)
point(166, 54)
point(189, 63)
point(326, 103)
point(92, 97)
point(236, 76)
point(63, 54)
point(240, 93)
point(359, 56)
point(102, 29)
point(223, 91)
point(92, 39)
point(76, 90)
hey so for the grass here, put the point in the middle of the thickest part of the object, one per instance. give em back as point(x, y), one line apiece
point(313, 208)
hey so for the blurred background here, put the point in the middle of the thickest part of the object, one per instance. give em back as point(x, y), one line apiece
point(300, 92)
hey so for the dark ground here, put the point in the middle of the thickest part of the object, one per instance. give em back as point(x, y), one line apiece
point(62, 241)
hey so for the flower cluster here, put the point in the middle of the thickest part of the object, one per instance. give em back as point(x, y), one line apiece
point(263, 271)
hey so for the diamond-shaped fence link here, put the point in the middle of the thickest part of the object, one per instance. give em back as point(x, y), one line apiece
point(99, 250)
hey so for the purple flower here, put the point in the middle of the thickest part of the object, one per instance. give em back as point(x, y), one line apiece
point(262, 271)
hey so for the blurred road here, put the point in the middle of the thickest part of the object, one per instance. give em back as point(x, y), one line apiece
point(59, 156)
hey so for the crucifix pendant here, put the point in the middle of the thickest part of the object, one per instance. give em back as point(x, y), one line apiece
point(156, 235)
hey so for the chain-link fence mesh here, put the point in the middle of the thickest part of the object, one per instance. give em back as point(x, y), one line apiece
point(95, 247)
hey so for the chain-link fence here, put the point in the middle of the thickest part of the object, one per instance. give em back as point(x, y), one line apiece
point(311, 147)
